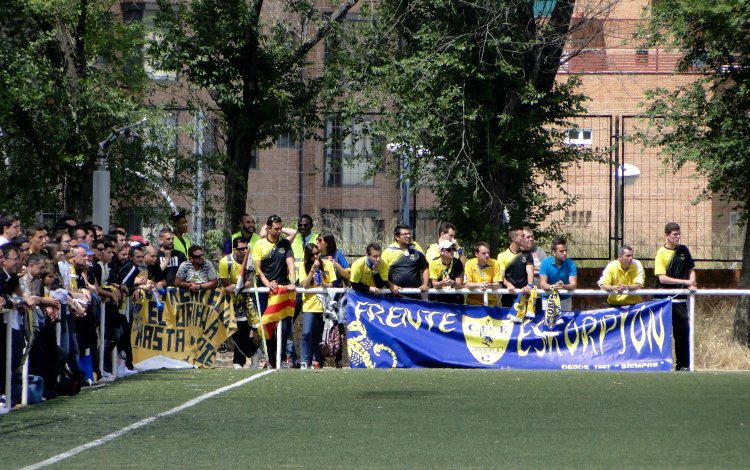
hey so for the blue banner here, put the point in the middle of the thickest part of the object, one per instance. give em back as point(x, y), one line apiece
point(401, 332)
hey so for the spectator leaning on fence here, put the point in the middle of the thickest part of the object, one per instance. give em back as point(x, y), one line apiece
point(447, 271)
point(674, 268)
point(230, 270)
point(314, 272)
point(558, 271)
point(197, 274)
point(517, 266)
point(368, 273)
point(621, 277)
point(407, 265)
point(482, 272)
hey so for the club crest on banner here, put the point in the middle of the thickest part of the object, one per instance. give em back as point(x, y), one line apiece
point(486, 337)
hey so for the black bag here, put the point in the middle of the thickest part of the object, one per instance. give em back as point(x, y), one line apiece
point(69, 383)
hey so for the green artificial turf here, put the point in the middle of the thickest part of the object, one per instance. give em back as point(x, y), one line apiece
point(397, 419)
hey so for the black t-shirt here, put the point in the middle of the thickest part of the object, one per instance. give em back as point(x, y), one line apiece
point(273, 259)
point(175, 261)
point(406, 271)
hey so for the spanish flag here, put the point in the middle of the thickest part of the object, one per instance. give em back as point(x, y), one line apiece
point(281, 302)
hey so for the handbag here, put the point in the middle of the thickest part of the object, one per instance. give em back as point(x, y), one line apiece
point(331, 344)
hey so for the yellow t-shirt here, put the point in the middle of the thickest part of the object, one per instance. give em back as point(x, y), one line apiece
point(362, 273)
point(310, 302)
point(224, 269)
point(489, 273)
point(614, 274)
point(433, 252)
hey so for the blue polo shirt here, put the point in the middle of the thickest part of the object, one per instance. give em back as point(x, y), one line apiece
point(557, 273)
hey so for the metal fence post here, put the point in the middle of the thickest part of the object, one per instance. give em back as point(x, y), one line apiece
point(691, 323)
point(8, 358)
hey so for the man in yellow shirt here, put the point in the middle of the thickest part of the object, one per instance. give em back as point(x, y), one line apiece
point(446, 231)
point(447, 272)
point(230, 270)
point(621, 277)
point(369, 273)
point(482, 272)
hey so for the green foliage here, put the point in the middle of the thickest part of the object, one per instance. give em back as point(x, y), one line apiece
point(66, 79)
point(468, 91)
point(251, 58)
point(705, 123)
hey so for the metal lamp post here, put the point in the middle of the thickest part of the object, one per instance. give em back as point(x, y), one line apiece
point(101, 196)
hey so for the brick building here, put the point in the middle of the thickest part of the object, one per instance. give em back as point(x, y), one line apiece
point(298, 176)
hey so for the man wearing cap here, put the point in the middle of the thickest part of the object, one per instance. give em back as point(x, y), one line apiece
point(446, 231)
point(447, 271)
point(180, 226)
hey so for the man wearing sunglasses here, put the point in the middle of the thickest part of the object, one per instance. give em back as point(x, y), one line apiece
point(230, 269)
point(196, 274)
point(447, 272)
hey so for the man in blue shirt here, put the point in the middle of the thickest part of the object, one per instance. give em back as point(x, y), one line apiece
point(560, 272)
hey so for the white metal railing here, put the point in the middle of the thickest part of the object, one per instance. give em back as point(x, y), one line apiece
point(7, 314)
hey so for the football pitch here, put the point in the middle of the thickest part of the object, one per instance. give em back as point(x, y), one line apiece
point(342, 418)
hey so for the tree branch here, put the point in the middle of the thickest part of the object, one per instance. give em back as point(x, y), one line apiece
point(337, 17)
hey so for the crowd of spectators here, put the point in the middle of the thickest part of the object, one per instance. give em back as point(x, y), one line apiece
point(56, 282)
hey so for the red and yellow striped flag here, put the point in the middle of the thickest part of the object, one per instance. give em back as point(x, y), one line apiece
point(281, 303)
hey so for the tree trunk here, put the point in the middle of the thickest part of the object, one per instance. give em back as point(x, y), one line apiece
point(235, 180)
point(742, 315)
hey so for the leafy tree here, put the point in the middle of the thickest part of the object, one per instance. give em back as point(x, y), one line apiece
point(251, 57)
point(468, 91)
point(66, 79)
point(706, 122)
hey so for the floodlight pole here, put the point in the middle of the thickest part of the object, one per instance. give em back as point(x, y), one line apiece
point(101, 193)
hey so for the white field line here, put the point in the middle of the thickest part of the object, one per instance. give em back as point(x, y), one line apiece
point(109, 437)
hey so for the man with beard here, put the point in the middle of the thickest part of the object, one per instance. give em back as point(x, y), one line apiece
point(169, 259)
point(518, 267)
point(274, 265)
point(407, 265)
point(246, 233)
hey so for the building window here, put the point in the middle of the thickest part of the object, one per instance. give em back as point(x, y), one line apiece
point(287, 141)
point(578, 218)
point(355, 228)
point(254, 159)
point(145, 13)
point(348, 153)
point(582, 136)
point(641, 56)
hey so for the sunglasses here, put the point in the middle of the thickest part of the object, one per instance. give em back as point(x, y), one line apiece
point(244, 248)
point(197, 256)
